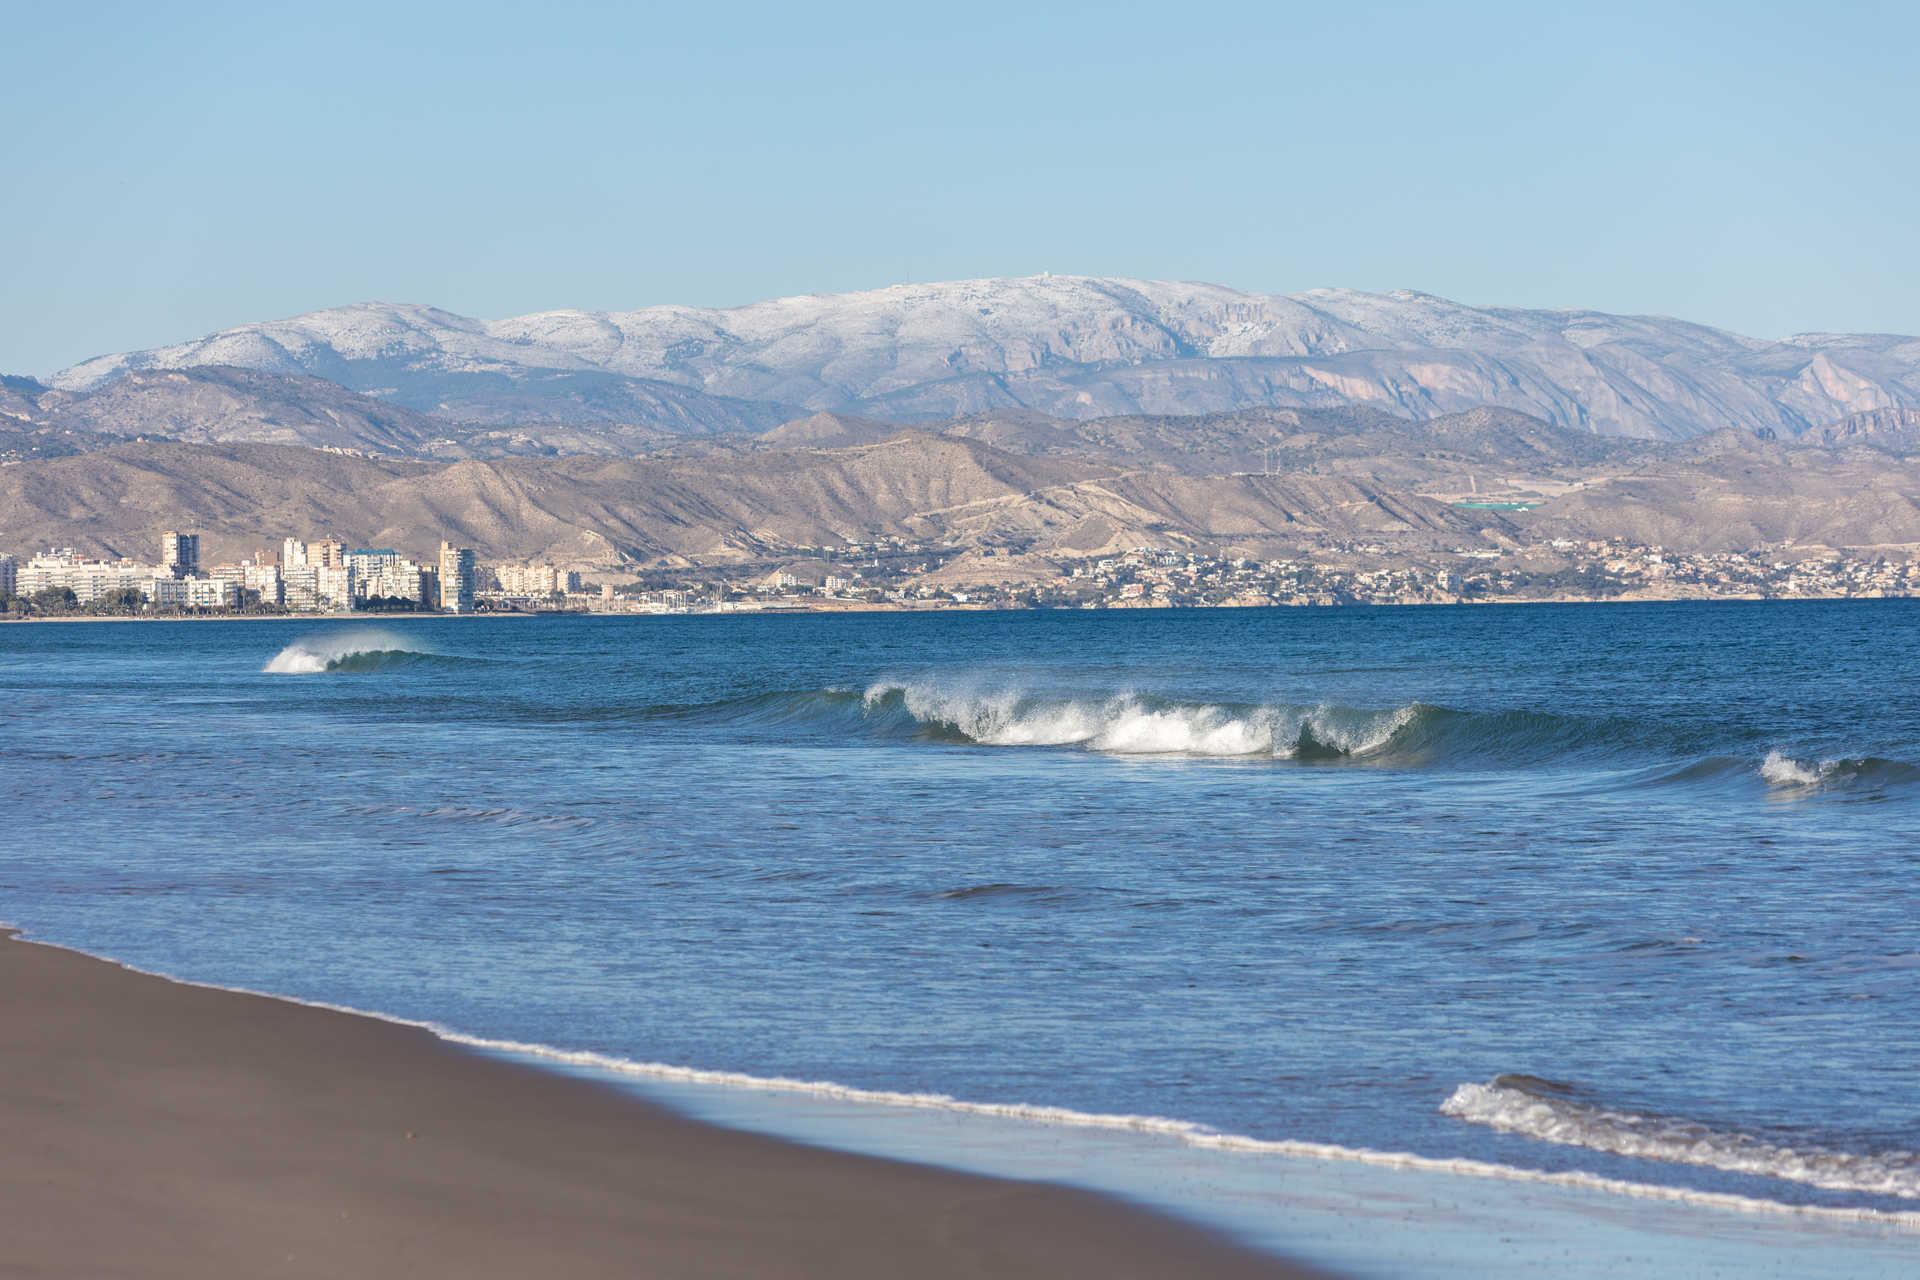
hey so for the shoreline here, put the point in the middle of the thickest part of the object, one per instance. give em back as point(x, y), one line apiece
point(256, 617)
point(163, 1128)
point(788, 610)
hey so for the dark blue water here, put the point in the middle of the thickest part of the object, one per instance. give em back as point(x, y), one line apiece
point(1640, 878)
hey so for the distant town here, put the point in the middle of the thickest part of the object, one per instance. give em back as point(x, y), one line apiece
point(325, 576)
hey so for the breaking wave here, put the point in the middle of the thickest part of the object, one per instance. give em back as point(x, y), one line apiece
point(1787, 773)
point(357, 651)
point(1132, 724)
point(1554, 1112)
point(1645, 751)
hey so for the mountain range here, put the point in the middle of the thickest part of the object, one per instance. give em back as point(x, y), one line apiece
point(1066, 347)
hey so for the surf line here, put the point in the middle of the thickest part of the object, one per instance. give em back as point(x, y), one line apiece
point(1184, 1131)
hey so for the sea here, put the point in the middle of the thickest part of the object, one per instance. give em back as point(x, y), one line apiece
point(1406, 941)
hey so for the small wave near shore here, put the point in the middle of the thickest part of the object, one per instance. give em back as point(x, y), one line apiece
point(1186, 1132)
point(1551, 1112)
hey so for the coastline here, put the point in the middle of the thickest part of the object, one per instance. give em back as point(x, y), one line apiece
point(788, 609)
point(161, 1128)
point(256, 617)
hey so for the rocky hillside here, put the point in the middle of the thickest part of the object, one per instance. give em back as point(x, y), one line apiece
point(1894, 431)
point(1068, 347)
point(1345, 481)
point(680, 509)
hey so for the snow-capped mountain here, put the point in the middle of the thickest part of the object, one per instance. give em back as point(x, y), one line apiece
point(1071, 346)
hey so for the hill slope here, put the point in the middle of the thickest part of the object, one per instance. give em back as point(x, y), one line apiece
point(680, 509)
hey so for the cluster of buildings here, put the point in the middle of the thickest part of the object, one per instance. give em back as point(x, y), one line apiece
point(327, 576)
point(533, 581)
point(1559, 570)
point(1341, 573)
point(317, 577)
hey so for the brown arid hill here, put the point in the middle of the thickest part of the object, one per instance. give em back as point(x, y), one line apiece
point(677, 510)
point(1731, 492)
point(827, 431)
point(1240, 514)
point(117, 501)
point(1346, 484)
point(20, 399)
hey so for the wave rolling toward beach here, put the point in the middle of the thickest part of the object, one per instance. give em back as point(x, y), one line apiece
point(357, 651)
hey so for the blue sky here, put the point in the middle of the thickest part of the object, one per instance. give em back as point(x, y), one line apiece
point(161, 176)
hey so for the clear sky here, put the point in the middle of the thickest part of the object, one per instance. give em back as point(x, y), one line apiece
point(169, 170)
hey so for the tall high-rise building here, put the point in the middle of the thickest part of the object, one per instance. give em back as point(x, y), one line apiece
point(328, 553)
point(456, 578)
point(9, 575)
point(180, 553)
point(293, 554)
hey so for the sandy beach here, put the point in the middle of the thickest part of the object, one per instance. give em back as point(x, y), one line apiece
point(158, 1129)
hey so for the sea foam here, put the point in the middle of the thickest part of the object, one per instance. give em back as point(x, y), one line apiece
point(1517, 1105)
point(1782, 770)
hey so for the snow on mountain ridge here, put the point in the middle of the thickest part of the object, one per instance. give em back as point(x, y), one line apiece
point(1082, 346)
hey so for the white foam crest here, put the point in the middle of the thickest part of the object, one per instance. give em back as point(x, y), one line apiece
point(1128, 725)
point(1131, 729)
point(1357, 733)
point(1186, 1131)
point(1678, 1141)
point(312, 655)
point(1781, 770)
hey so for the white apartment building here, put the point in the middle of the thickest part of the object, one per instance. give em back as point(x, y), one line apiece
point(265, 579)
point(401, 580)
point(298, 590)
point(334, 585)
point(386, 573)
point(87, 579)
point(316, 588)
point(165, 590)
point(529, 580)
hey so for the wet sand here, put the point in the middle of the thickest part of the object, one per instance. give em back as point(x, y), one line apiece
point(156, 1129)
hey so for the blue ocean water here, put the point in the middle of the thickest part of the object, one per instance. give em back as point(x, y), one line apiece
point(1622, 891)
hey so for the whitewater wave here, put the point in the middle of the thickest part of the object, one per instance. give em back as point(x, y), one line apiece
point(361, 649)
point(1188, 1132)
point(1554, 1113)
point(1788, 773)
point(1784, 771)
point(1133, 724)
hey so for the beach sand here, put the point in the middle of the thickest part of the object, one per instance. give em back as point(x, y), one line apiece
point(157, 1129)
